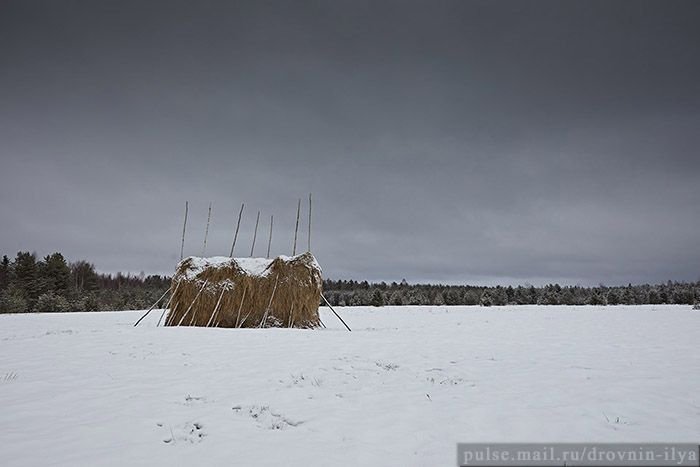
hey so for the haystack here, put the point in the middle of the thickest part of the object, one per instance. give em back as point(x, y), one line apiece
point(246, 292)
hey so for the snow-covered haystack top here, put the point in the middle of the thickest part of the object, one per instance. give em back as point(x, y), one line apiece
point(246, 292)
point(194, 266)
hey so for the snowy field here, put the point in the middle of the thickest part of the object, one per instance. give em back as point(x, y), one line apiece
point(401, 389)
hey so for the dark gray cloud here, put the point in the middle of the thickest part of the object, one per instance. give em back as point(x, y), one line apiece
point(452, 141)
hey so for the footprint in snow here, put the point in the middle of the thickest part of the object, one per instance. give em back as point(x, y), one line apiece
point(264, 417)
point(190, 432)
point(193, 400)
point(387, 366)
point(9, 377)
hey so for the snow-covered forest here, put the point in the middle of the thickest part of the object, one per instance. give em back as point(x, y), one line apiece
point(52, 283)
point(28, 283)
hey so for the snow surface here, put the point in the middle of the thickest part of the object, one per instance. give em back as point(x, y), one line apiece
point(401, 389)
point(251, 266)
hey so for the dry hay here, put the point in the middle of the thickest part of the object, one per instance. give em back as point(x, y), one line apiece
point(248, 292)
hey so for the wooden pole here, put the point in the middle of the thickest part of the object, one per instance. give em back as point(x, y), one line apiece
point(206, 232)
point(269, 304)
point(164, 310)
point(269, 240)
point(152, 307)
point(238, 226)
point(167, 305)
point(296, 229)
point(336, 314)
point(192, 304)
point(184, 226)
point(309, 237)
point(241, 306)
point(244, 318)
point(255, 234)
point(216, 308)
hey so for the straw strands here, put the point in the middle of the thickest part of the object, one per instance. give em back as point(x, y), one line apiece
point(219, 291)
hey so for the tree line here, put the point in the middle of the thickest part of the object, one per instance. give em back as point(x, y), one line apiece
point(351, 293)
point(51, 283)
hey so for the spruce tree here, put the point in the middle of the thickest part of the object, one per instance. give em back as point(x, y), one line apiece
point(55, 274)
point(4, 273)
point(25, 277)
point(377, 298)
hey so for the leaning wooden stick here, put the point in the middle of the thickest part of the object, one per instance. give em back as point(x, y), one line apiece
point(336, 314)
point(206, 232)
point(192, 304)
point(167, 305)
point(152, 307)
point(238, 316)
point(193, 321)
point(255, 234)
point(238, 226)
point(269, 240)
point(216, 308)
point(164, 310)
point(269, 304)
point(296, 229)
point(184, 226)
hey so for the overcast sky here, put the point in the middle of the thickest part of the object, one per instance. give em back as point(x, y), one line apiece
point(461, 142)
